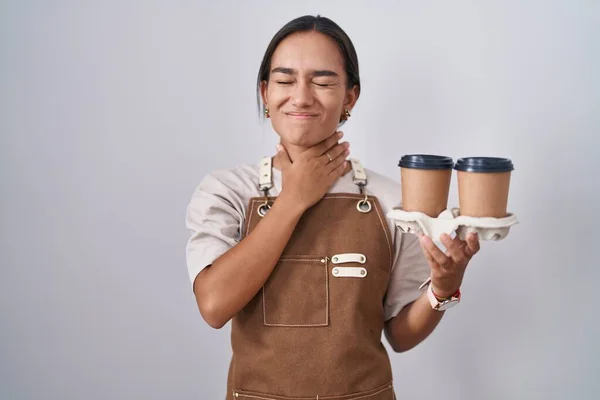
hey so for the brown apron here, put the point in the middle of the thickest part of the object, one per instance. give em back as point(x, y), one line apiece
point(314, 330)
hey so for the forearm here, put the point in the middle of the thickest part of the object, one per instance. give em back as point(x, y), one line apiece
point(227, 286)
point(413, 324)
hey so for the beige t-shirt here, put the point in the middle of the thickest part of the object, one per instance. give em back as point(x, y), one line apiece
point(217, 210)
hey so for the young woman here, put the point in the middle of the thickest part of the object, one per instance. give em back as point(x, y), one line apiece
point(296, 250)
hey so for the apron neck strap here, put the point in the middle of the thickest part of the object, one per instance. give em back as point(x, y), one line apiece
point(359, 176)
point(265, 178)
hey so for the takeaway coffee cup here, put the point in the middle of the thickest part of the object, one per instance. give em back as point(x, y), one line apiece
point(425, 183)
point(483, 184)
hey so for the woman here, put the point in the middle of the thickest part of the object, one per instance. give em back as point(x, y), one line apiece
point(296, 250)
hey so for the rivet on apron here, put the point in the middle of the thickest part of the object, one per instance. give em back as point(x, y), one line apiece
point(262, 209)
point(364, 206)
point(336, 271)
point(362, 272)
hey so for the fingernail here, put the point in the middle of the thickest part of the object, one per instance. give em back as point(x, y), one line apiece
point(346, 144)
point(340, 134)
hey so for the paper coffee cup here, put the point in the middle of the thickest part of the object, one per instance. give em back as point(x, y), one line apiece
point(483, 184)
point(425, 182)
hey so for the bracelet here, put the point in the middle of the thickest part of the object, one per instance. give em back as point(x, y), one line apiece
point(428, 282)
point(440, 298)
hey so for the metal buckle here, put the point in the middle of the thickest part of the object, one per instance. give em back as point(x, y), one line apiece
point(263, 208)
point(364, 205)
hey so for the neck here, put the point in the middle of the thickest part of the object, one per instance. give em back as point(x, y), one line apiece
point(294, 152)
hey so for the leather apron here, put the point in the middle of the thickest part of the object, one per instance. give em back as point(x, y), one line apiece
point(313, 332)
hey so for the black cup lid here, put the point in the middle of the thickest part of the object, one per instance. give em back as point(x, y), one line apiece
point(484, 164)
point(426, 161)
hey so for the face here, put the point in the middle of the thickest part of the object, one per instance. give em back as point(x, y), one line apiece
point(307, 89)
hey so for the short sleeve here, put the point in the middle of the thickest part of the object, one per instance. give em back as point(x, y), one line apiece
point(214, 224)
point(410, 270)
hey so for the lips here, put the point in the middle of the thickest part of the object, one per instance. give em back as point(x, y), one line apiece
point(301, 115)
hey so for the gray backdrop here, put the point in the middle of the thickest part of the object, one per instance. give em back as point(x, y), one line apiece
point(111, 113)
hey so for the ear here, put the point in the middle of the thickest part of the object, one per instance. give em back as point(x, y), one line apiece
point(351, 97)
point(263, 92)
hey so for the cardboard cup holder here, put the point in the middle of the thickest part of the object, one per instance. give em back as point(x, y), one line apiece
point(450, 221)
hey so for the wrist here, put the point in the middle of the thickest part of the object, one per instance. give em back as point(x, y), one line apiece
point(442, 303)
point(444, 295)
point(290, 204)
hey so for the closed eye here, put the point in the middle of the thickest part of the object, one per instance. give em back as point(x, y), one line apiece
point(284, 82)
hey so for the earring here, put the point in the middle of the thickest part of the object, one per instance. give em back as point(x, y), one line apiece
point(345, 115)
point(267, 115)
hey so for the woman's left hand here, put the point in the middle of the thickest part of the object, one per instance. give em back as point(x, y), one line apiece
point(448, 269)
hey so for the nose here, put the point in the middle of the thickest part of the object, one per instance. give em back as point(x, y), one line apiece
point(302, 95)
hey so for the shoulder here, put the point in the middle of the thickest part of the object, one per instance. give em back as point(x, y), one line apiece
point(386, 190)
point(241, 178)
point(228, 186)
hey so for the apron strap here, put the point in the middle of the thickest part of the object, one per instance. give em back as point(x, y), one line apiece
point(265, 178)
point(360, 179)
point(359, 175)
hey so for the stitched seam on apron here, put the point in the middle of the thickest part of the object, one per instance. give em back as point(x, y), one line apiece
point(255, 397)
point(372, 394)
point(249, 218)
point(385, 232)
point(389, 387)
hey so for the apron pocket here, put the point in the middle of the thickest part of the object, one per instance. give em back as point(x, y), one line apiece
point(297, 293)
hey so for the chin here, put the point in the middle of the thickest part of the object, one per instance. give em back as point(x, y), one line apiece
point(303, 136)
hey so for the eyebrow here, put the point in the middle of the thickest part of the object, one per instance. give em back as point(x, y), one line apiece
point(290, 71)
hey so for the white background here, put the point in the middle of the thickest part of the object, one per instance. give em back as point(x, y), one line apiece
point(112, 112)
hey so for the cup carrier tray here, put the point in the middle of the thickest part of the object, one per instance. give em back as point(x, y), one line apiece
point(450, 221)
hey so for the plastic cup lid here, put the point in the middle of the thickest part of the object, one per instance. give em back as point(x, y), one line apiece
point(484, 164)
point(426, 161)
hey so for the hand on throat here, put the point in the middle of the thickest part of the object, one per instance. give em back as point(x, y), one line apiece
point(294, 152)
